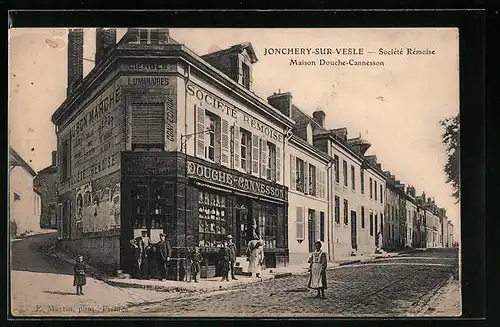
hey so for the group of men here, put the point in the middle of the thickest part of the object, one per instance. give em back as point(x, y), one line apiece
point(143, 249)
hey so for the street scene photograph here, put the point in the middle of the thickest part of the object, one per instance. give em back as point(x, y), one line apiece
point(234, 172)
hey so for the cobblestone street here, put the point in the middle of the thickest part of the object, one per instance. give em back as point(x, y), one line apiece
point(399, 287)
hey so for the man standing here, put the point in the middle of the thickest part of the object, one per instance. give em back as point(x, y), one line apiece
point(232, 255)
point(142, 246)
point(165, 253)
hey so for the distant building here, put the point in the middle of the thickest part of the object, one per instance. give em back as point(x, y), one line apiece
point(46, 183)
point(24, 209)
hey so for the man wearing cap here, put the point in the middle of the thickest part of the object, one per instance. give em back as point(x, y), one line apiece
point(165, 253)
point(232, 255)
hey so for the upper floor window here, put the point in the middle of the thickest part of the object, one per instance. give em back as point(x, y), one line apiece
point(344, 170)
point(245, 150)
point(353, 177)
point(381, 194)
point(371, 223)
point(312, 180)
point(300, 172)
point(271, 161)
point(346, 212)
point(362, 217)
point(148, 126)
point(362, 181)
point(337, 168)
point(375, 190)
point(371, 188)
point(148, 35)
point(65, 160)
point(212, 136)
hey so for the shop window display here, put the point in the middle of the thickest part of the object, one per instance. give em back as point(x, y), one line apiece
point(212, 218)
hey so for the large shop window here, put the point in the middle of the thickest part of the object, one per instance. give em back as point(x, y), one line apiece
point(148, 126)
point(152, 210)
point(268, 224)
point(337, 210)
point(337, 168)
point(212, 219)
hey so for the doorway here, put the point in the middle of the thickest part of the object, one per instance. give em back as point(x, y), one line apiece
point(354, 231)
point(311, 228)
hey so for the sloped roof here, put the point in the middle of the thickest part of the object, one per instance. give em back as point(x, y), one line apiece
point(16, 160)
point(235, 48)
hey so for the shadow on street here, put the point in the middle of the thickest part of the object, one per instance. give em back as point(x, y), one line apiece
point(25, 255)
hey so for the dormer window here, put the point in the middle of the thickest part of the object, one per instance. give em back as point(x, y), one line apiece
point(246, 75)
point(148, 35)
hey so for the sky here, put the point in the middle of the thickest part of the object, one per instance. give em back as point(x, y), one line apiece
point(396, 107)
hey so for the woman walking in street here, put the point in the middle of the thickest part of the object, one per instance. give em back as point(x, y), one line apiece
point(255, 253)
point(79, 275)
point(317, 269)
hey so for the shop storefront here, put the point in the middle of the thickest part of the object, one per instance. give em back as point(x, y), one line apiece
point(197, 203)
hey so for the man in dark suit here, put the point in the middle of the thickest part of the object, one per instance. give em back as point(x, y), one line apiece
point(232, 255)
point(142, 245)
point(165, 254)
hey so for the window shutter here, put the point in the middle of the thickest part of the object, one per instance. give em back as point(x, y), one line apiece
point(278, 164)
point(200, 126)
point(317, 226)
point(306, 178)
point(224, 140)
point(264, 157)
point(318, 183)
point(236, 147)
point(156, 123)
point(300, 223)
point(255, 154)
point(293, 174)
point(140, 123)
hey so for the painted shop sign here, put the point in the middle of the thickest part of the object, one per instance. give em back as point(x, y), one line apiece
point(236, 181)
point(145, 66)
point(143, 165)
point(147, 81)
point(244, 119)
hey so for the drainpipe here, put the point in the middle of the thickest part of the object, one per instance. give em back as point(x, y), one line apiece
point(330, 230)
point(288, 136)
point(186, 81)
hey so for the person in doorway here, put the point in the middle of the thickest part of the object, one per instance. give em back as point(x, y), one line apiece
point(225, 260)
point(196, 260)
point(142, 246)
point(165, 253)
point(232, 255)
point(255, 252)
point(317, 270)
point(79, 279)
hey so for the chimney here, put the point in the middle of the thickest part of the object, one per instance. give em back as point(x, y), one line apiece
point(379, 166)
point(282, 102)
point(75, 59)
point(54, 158)
point(319, 117)
point(105, 41)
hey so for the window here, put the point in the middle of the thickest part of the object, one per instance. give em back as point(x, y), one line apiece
point(375, 190)
point(148, 126)
point(371, 223)
point(353, 177)
point(65, 158)
point(362, 180)
point(268, 225)
point(312, 180)
point(344, 170)
point(271, 162)
point(336, 165)
point(337, 209)
point(246, 76)
point(381, 194)
point(346, 211)
point(148, 35)
point(322, 226)
point(212, 137)
point(212, 214)
point(371, 188)
point(245, 150)
point(362, 217)
point(381, 222)
point(300, 223)
point(300, 178)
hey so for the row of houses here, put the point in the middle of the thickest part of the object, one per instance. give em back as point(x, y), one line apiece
point(159, 138)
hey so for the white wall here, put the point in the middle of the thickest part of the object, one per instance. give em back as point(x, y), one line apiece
point(26, 211)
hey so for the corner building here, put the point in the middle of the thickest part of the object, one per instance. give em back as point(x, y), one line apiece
point(158, 138)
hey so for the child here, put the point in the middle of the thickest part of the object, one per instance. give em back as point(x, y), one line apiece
point(196, 263)
point(79, 275)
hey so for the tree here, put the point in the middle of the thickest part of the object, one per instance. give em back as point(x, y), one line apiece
point(451, 140)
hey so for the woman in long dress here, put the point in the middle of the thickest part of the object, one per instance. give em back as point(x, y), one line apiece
point(317, 268)
point(255, 252)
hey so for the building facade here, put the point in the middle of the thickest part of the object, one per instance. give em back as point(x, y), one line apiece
point(46, 183)
point(24, 198)
point(158, 138)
